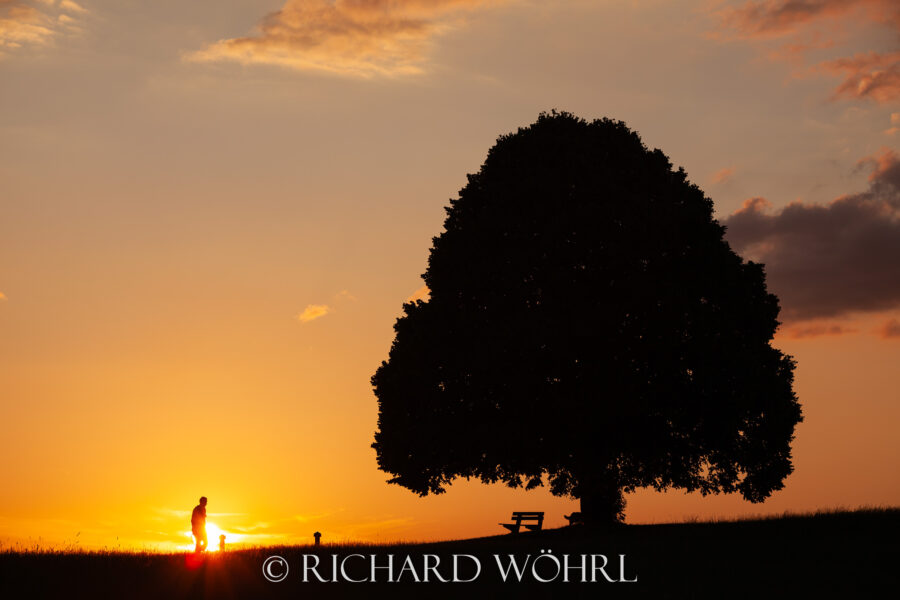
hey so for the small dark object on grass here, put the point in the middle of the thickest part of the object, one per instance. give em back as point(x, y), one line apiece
point(574, 519)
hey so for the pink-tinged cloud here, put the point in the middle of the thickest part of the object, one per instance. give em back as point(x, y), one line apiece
point(313, 312)
point(350, 37)
point(867, 76)
point(828, 260)
point(890, 329)
point(775, 18)
point(723, 175)
point(816, 330)
point(895, 124)
point(814, 24)
point(883, 166)
point(795, 52)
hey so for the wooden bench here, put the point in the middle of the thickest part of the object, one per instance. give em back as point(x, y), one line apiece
point(518, 517)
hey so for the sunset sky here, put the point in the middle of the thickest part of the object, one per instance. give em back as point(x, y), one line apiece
point(212, 211)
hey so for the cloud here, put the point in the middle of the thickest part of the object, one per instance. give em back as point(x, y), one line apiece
point(2, 296)
point(349, 37)
point(829, 260)
point(24, 25)
point(251, 528)
point(345, 295)
point(313, 312)
point(867, 76)
point(72, 6)
point(895, 124)
point(817, 330)
point(775, 18)
point(890, 329)
point(723, 175)
point(885, 172)
point(171, 512)
point(314, 517)
point(369, 528)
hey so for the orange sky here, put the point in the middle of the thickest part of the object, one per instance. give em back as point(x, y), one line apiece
point(211, 213)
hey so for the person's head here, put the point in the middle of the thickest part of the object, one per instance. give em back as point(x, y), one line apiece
point(202, 500)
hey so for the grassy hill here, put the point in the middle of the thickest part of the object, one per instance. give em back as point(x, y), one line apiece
point(837, 554)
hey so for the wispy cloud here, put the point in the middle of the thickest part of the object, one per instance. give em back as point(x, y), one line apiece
point(350, 37)
point(805, 25)
point(23, 25)
point(827, 261)
point(72, 6)
point(890, 329)
point(313, 312)
point(817, 330)
point(369, 529)
point(345, 295)
point(723, 175)
point(867, 76)
point(171, 512)
point(256, 527)
point(314, 517)
point(35, 24)
point(775, 18)
point(895, 124)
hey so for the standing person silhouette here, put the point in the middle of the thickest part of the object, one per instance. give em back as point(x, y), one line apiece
point(198, 525)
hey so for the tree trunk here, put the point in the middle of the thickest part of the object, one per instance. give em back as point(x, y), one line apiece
point(602, 502)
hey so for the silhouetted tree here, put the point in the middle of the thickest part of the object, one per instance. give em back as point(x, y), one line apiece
point(587, 322)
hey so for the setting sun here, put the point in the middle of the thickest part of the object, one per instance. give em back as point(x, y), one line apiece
point(213, 532)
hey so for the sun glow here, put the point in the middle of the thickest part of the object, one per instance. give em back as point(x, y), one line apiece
point(213, 532)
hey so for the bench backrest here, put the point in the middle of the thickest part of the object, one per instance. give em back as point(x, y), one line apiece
point(528, 515)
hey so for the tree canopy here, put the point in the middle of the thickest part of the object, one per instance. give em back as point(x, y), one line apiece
point(588, 324)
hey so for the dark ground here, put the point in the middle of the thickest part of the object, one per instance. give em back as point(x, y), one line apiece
point(833, 555)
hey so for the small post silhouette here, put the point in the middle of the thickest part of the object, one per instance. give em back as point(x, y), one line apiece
point(318, 537)
point(222, 542)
